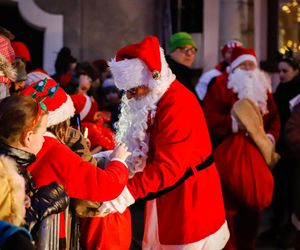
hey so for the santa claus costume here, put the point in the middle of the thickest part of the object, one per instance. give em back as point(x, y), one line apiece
point(167, 133)
point(219, 106)
point(56, 162)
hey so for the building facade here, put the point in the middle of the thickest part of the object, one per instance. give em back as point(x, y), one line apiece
point(95, 29)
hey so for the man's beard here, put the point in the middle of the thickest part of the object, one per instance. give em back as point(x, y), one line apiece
point(132, 129)
point(254, 85)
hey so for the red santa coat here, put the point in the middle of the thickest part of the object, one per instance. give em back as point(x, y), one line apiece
point(217, 106)
point(179, 140)
point(81, 179)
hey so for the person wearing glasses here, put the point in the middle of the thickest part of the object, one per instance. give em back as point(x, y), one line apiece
point(182, 55)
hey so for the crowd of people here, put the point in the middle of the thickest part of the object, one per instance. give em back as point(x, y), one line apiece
point(208, 154)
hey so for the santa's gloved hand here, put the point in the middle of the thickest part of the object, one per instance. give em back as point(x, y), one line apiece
point(49, 199)
point(124, 200)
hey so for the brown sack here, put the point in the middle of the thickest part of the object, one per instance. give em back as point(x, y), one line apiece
point(247, 114)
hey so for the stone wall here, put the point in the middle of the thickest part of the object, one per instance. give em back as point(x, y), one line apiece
point(96, 29)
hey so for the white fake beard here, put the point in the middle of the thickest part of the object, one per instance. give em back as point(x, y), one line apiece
point(132, 127)
point(254, 85)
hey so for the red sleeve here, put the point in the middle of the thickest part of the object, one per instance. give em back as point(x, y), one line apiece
point(171, 146)
point(217, 107)
point(83, 180)
point(272, 119)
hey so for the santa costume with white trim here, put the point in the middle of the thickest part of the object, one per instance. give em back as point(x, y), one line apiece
point(166, 132)
point(237, 132)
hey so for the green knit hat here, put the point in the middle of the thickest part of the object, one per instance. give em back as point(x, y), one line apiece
point(181, 39)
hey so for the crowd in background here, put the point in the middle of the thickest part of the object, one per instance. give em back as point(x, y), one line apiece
point(66, 119)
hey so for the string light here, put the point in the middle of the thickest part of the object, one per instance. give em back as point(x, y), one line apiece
point(289, 26)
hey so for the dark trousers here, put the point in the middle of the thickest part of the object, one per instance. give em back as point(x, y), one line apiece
point(243, 227)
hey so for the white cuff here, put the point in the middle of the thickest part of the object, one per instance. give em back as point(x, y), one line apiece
point(234, 125)
point(124, 200)
point(103, 154)
point(271, 137)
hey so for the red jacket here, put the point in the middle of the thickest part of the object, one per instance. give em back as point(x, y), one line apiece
point(179, 140)
point(217, 106)
point(81, 179)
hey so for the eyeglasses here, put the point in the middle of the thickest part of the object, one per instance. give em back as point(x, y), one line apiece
point(137, 92)
point(187, 51)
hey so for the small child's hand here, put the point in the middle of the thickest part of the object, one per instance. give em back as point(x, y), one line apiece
point(120, 151)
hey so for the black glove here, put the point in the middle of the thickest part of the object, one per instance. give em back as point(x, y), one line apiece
point(49, 199)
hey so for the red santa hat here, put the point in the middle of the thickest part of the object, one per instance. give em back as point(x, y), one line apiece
point(230, 45)
point(84, 106)
point(21, 50)
point(139, 64)
point(240, 55)
point(59, 105)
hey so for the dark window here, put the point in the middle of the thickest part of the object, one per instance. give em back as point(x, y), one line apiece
point(187, 15)
point(33, 37)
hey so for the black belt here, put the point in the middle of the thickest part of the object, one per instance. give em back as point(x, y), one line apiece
point(203, 165)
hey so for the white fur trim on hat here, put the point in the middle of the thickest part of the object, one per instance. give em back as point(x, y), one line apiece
point(129, 73)
point(64, 112)
point(87, 107)
point(242, 59)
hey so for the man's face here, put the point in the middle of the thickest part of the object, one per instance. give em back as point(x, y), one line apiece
point(137, 92)
point(247, 65)
point(16, 87)
point(227, 56)
point(184, 55)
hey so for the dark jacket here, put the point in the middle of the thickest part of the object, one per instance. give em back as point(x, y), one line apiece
point(283, 94)
point(185, 75)
point(14, 238)
point(46, 200)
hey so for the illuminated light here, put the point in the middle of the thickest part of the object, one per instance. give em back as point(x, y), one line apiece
point(285, 8)
point(289, 43)
point(295, 46)
point(282, 50)
point(294, 3)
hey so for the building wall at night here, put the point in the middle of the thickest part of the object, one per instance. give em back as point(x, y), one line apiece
point(95, 29)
